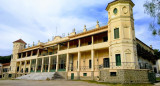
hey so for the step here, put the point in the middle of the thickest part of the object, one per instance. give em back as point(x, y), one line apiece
point(38, 76)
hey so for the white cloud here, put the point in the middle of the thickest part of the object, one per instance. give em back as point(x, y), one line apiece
point(37, 19)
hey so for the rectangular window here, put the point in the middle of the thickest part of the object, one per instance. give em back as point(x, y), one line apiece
point(118, 60)
point(84, 74)
point(90, 63)
point(112, 73)
point(116, 33)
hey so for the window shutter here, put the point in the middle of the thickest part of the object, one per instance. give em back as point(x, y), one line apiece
point(118, 60)
point(116, 33)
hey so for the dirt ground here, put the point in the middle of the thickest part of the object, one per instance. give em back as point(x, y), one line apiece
point(45, 83)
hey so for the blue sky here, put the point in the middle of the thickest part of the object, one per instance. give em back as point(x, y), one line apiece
point(34, 20)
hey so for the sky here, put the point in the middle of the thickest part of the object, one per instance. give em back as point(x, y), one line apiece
point(33, 20)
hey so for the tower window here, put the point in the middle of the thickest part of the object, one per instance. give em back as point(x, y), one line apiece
point(115, 11)
point(116, 33)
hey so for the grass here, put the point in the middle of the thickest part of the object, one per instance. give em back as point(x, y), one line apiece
point(115, 84)
point(158, 79)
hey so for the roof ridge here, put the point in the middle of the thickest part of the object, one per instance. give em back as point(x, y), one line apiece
point(20, 41)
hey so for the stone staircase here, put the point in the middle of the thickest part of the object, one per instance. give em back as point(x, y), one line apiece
point(57, 76)
point(60, 76)
point(38, 76)
point(44, 76)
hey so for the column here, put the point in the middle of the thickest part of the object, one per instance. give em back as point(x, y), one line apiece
point(26, 54)
point(92, 40)
point(20, 66)
point(38, 52)
point(57, 63)
point(92, 59)
point(67, 62)
point(32, 53)
point(58, 47)
point(49, 64)
point(36, 65)
point(68, 45)
point(29, 70)
point(42, 64)
point(79, 42)
point(21, 55)
point(25, 66)
point(79, 57)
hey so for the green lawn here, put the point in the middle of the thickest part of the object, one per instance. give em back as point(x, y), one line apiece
point(158, 79)
point(111, 84)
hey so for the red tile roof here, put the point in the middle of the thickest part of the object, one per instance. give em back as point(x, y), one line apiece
point(20, 41)
point(6, 64)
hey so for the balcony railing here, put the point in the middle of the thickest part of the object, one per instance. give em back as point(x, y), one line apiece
point(145, 66)
point(85, 68)
point(112, 65)
point(122, 65)
point(72, 68)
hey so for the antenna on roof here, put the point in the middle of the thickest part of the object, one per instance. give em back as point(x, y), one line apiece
point(20, 36)
point(56, 30)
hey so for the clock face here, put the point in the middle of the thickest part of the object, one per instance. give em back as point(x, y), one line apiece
point(115, 11)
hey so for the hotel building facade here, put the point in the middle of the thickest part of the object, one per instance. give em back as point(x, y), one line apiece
point(107, 53)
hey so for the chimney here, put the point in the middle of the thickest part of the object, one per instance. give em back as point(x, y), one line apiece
point(151, 46)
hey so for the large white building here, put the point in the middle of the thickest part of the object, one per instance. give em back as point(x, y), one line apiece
point(109, 53)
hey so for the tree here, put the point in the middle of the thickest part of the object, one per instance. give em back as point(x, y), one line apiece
point(5, 59)
point(157, 53)
point(152, 8)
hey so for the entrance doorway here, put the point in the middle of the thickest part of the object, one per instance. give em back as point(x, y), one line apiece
point(106, 63)
point(72, 76)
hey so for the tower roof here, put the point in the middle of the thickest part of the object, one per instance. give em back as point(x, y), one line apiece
point(20, 41)
point(117, 1)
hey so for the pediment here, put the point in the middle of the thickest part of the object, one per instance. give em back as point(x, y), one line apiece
point(56, 38)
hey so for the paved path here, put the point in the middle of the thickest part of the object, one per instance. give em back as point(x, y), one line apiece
point(45, 83)
point(157, 84)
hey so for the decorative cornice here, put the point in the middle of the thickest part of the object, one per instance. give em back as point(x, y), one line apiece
point(103, 27)
point(119, 1)
point(32, 48)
